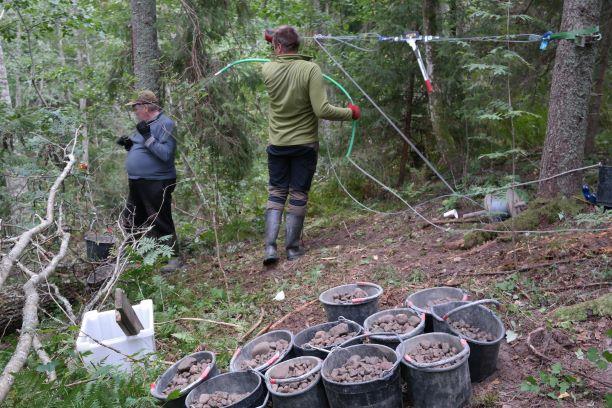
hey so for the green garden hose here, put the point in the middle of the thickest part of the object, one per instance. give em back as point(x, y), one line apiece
point(327, 77)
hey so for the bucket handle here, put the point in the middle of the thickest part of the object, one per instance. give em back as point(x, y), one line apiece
point(367, 298)
point(265, 403)
point(308, 346)
point(265, 365)
point(417, 313)
point(202, 377)
point(368, 334)
point(302, 377)
point(477, 302)
point(263, 378)
point(365, 334)
point(410, 305)
point(458, 356)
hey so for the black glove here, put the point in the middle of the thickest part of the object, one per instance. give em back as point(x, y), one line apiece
point(144, 129)
point(126, 142)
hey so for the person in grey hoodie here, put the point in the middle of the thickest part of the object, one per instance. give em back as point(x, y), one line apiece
point(151, 172)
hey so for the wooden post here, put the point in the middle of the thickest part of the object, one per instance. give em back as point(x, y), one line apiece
point(125, 315)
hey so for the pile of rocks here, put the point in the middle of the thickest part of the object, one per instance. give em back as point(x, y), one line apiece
point(218, 400)
point(470, 331)
point(264, 351)
point(334, 336)
point(399, 323)
point(188, 371)
point(431, 351)
point(296, 369)
point(348, 295)
point(360, 369)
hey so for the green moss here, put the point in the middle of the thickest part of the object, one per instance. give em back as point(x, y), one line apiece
point(602, 306)
point(540, 211)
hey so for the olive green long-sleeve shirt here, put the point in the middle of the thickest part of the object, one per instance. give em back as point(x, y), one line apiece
point(298, 99)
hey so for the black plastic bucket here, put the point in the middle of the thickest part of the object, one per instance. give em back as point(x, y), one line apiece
point(419, 301)
point(430, 386)
point(98, 246)
point(301, 349)
point(243, 353)
point(238, 382)
point(96, 279)
point(385, 392)
point(158, 387)
point(394, 341)
point(356, 311)
point(311, 396)
point(604, 186)
point(483, 354)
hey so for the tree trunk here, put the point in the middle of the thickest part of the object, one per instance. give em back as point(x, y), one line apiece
point(600, 75)
point(407, 130)
point(11, 304)
point(81, 52)
point(444, 141)
point(145, 50)
point(569, 102)
point(5, 93)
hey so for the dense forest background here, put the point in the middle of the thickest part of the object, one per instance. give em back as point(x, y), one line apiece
point(67, 67)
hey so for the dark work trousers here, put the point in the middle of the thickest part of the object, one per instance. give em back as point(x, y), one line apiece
point(149, 203)
point(291, 170)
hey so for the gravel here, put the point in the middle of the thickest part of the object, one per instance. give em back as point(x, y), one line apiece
point(471, 332)
point(264, 351)
point(348, 295)
point(218, 399)
point(334, 336)
point(399, 323)
point(188, 371)
point(360, 369)
point(431, 351)
point(295, 369)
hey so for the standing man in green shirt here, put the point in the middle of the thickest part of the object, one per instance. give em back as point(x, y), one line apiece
point(298, 99)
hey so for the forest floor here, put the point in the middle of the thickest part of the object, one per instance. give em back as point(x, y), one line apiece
point(533, 276)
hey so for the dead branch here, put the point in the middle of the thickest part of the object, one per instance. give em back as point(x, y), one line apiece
point(7, 262)
point(30, 315)
point(257, 323)
point(274, 325)
point(44, 357)
point(197, 319)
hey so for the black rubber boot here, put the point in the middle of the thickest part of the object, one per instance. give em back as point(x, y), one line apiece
point(293, 227)
point(273, 222)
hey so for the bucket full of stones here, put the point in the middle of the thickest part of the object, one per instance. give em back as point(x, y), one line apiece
point(296, 383)
point(355, 301)
point(404, 322)
point(482, 329)
point(318, 340)
point(172, 387)
point(230, 390)
point(423, 300)
point(435, 370)
point(263, 352)
point(364, 375)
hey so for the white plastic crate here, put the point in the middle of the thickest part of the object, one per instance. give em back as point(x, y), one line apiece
point(103, 327)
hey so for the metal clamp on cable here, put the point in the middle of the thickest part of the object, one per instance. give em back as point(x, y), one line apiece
point(411, 39)
point(582, 40)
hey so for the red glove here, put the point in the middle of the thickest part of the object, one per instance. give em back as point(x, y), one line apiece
point(356, 111)
point(268, 34)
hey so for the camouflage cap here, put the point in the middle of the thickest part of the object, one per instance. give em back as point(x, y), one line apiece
point(144, 97)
